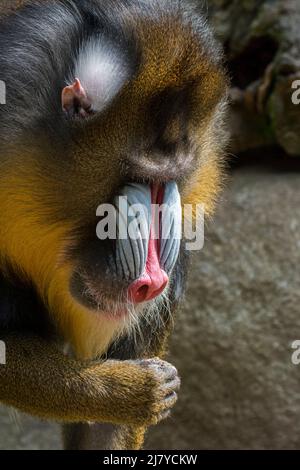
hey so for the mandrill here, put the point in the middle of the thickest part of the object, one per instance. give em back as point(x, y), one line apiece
point(105, 101)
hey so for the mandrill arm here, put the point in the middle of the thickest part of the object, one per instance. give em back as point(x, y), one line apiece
point(39, 379)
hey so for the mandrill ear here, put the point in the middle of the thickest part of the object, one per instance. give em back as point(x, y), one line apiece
point(75, 101)
point(102, 69)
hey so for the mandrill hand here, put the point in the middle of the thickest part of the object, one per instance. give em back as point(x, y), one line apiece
point(144, 391)
point(39, 379)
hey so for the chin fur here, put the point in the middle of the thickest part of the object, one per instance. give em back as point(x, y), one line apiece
point(91, 331)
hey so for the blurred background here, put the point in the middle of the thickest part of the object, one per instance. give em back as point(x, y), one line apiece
point(233, 335)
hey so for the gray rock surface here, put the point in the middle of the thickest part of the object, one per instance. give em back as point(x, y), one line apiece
point(21, 432)
point(262, 45)
point(233, 337)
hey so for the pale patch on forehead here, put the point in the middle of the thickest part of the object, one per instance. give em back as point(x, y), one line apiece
point(102, 69)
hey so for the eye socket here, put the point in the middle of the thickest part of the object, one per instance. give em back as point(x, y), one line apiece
point(171, 110)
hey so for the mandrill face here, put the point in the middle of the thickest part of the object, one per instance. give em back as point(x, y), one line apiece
point(137, 263)
point(128, 112)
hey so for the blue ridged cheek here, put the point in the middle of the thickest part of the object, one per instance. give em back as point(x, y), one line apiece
point(171, 227)
point(134, 217)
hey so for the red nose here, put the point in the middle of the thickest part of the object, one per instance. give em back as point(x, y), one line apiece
point(154, 280)
point(147, 288)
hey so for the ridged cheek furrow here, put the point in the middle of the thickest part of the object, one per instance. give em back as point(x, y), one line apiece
point(171, 227)
point(134, 215)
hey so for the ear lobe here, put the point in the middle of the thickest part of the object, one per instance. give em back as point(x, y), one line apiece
point(75, 101)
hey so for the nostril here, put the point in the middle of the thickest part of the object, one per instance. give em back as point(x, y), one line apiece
point(144, 289)
point(141, 293)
